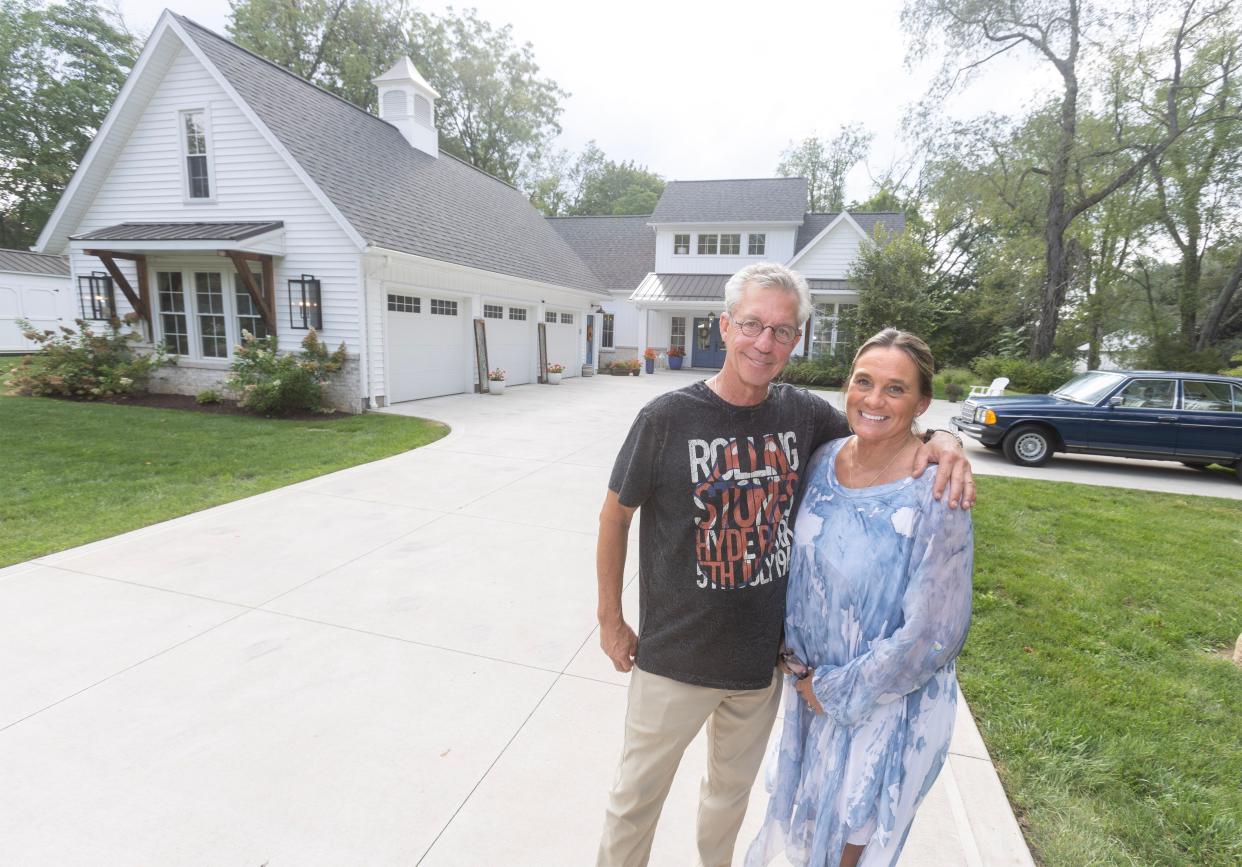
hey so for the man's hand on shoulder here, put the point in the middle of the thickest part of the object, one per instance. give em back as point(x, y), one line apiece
point(945, 450)
point(619, 643)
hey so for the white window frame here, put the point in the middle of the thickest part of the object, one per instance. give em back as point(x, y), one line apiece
point(607, 331)
point(183, 157)
point(736, 238)
point(228, 287)
point(517, 314)
point(827, 317)
point(701, 241)
point(676, 335)
point(550, 317)
point(676, 244)
point(493, 311)
point(751, 244)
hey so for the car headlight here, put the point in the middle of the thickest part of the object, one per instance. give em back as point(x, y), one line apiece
point(985, 415)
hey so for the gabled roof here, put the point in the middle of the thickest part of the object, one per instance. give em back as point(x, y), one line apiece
point(180, 231)
point(24, 262)
point(755, 200)
point(620, 250)
point(813, 224)
point(395, 196)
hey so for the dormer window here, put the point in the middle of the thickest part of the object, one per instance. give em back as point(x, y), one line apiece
point(681, 245)
point(730, 245)
point(756, 244)
point(194, 152)
point(708, 244)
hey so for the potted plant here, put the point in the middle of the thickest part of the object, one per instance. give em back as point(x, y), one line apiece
point(555, 371)
point(649, 356)
point(675, 355)
point(633, 366)
point(496, 381)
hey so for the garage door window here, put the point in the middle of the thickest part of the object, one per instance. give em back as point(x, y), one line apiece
point(517, 314)
point(567, 319)
point(404, 303)
point(549, 317)
point(440, 307)
point(493, 311)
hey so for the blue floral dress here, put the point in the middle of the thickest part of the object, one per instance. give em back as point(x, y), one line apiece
point(879, 605)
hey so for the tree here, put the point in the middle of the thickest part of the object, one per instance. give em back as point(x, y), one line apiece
point(592, 184)
point(893, 283)
point(61, 67)
point(495, 111)
point(976, 31)
point(339, 45)
point(825, 164)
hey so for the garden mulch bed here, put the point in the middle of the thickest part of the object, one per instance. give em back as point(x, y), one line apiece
point(224, 407)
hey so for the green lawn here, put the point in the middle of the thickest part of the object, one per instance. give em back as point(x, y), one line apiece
point(1094, 669)
point(76, 472)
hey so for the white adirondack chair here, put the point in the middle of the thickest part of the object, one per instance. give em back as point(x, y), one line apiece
point(996, 389)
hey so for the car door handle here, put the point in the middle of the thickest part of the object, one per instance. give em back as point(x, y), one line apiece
point(1167, 418)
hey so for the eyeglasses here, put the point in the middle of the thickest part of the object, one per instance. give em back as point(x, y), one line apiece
point(782, 333)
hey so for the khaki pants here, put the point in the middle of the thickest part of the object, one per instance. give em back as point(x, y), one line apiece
point(662, 719)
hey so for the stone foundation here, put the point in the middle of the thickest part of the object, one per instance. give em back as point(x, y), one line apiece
point(190, 377)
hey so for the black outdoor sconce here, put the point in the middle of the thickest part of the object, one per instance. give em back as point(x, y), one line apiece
point(96, 293)
point(305, 303)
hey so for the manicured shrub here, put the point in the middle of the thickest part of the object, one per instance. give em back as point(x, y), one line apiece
point(206, 396)
point(823, 370)
point(1033, 377)
point(85, 364)
point(269, 382)
point(951, 383)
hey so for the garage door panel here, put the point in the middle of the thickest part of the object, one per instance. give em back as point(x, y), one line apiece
point(426, 354)
point(563, 347)
point(38, 306)
point(511, 347)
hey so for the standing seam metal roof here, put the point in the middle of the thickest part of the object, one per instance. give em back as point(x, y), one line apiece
point(394, 195)
point(180, 231)
point(25, 262)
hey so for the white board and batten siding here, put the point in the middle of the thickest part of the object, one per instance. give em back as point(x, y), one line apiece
point(251, 182)
point(830, 257)
point(43, 300)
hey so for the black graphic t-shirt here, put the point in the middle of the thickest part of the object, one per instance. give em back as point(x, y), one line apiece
point(718, 486)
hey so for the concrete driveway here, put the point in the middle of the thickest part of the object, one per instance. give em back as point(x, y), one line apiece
point(390, 665)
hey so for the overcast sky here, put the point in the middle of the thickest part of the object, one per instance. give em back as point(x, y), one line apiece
point(716, 89)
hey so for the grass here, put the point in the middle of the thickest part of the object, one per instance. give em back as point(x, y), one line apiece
point(72, 473)
point(1095, 669)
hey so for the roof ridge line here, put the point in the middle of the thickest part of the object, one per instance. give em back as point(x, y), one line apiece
point(719, 180)
point(590, 216)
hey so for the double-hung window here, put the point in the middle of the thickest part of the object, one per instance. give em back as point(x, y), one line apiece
point(829, 333)
point(194, 153)
point(730, 244)
point(248, 317)
point(202, 314)
point(606, 332)
point(209, 305)
point(677, 332)
point(708, 244)
point(756, 244)
point(681, 245)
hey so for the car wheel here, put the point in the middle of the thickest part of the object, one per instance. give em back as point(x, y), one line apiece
point(1028, 445)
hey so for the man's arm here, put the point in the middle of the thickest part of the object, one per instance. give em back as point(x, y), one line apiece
point(615, 635)
point(944, 450)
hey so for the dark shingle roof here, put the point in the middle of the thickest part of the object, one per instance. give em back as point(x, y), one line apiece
point(681, 287)
point(813, 224)
point(395, 196)
point(620, 250)
point(758, 200)
point(180, 231)
point(24, 262)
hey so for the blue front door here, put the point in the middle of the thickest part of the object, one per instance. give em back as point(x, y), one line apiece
point(708, 349)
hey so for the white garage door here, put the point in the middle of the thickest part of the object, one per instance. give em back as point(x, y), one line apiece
point(563, 339)
point(510, 341)
point(39, 305)
point(426, 346)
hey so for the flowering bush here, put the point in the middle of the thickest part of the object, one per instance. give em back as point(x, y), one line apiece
point(269, 382)
point(496, 375)
point(84, 364)
point(554, 367)
point(676, 352)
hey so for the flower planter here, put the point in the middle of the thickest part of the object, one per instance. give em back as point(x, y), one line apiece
point(495, 386)
point(650, 365)
point(554, 378)
point(674, 362)
point(618, 371)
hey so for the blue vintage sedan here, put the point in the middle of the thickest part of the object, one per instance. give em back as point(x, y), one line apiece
point(1195, 418)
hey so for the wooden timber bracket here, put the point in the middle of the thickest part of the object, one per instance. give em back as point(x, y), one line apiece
point(141, 300)
point(264, 296)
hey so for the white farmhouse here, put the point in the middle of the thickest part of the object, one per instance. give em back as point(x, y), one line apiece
point(225, 195)
point(700, 233)
point(33, 288)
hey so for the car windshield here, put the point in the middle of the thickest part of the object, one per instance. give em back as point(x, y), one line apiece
point(1089, 387)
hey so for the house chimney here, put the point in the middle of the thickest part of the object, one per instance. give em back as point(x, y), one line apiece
point(408, 102)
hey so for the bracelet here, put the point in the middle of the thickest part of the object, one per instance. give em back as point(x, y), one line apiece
point(931, 432)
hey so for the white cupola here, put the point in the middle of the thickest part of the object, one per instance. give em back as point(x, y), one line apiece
point(408, 102)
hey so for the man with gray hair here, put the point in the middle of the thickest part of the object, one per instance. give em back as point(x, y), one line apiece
point(716, 468)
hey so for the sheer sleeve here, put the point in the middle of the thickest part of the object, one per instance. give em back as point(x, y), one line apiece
point(936, 617)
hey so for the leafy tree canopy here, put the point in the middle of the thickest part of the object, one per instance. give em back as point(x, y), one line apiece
point(592, 184)
point(61, 67)
point(825, 163)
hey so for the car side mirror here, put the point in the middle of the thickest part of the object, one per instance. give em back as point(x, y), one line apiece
point(1115, 400)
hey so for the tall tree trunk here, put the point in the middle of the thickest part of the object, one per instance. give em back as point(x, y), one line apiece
point(1207, 336)
point(1056, 252)
point(1188, 297)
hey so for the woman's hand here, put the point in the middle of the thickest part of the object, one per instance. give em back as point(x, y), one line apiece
point(803, 687)
point(944, 450)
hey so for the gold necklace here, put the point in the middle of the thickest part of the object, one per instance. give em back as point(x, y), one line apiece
point(853, 470)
